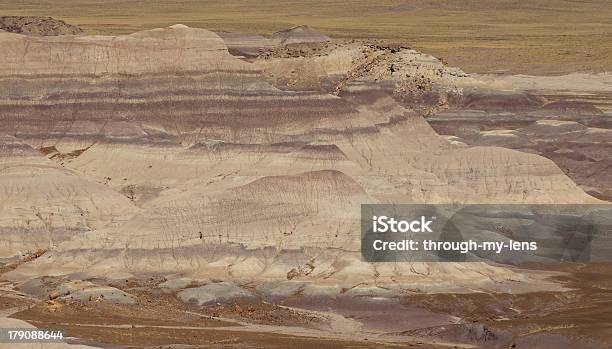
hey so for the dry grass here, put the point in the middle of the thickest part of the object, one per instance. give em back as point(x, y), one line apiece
point(545, 36)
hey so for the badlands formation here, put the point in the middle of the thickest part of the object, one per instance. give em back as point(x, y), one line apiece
point(164, 153)
point(135, 145)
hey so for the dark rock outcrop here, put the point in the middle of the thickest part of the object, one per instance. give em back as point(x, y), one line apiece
point(31, 25)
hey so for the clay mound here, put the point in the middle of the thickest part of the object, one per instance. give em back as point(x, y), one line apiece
point(45, 204)
point(31, 25)
point(262, 212)
point(299, 34)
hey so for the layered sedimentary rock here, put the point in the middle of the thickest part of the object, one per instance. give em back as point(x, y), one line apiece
point(44, 204)
point(192, 161)
point(566, 121)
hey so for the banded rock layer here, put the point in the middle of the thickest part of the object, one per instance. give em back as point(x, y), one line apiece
point(187, 159)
